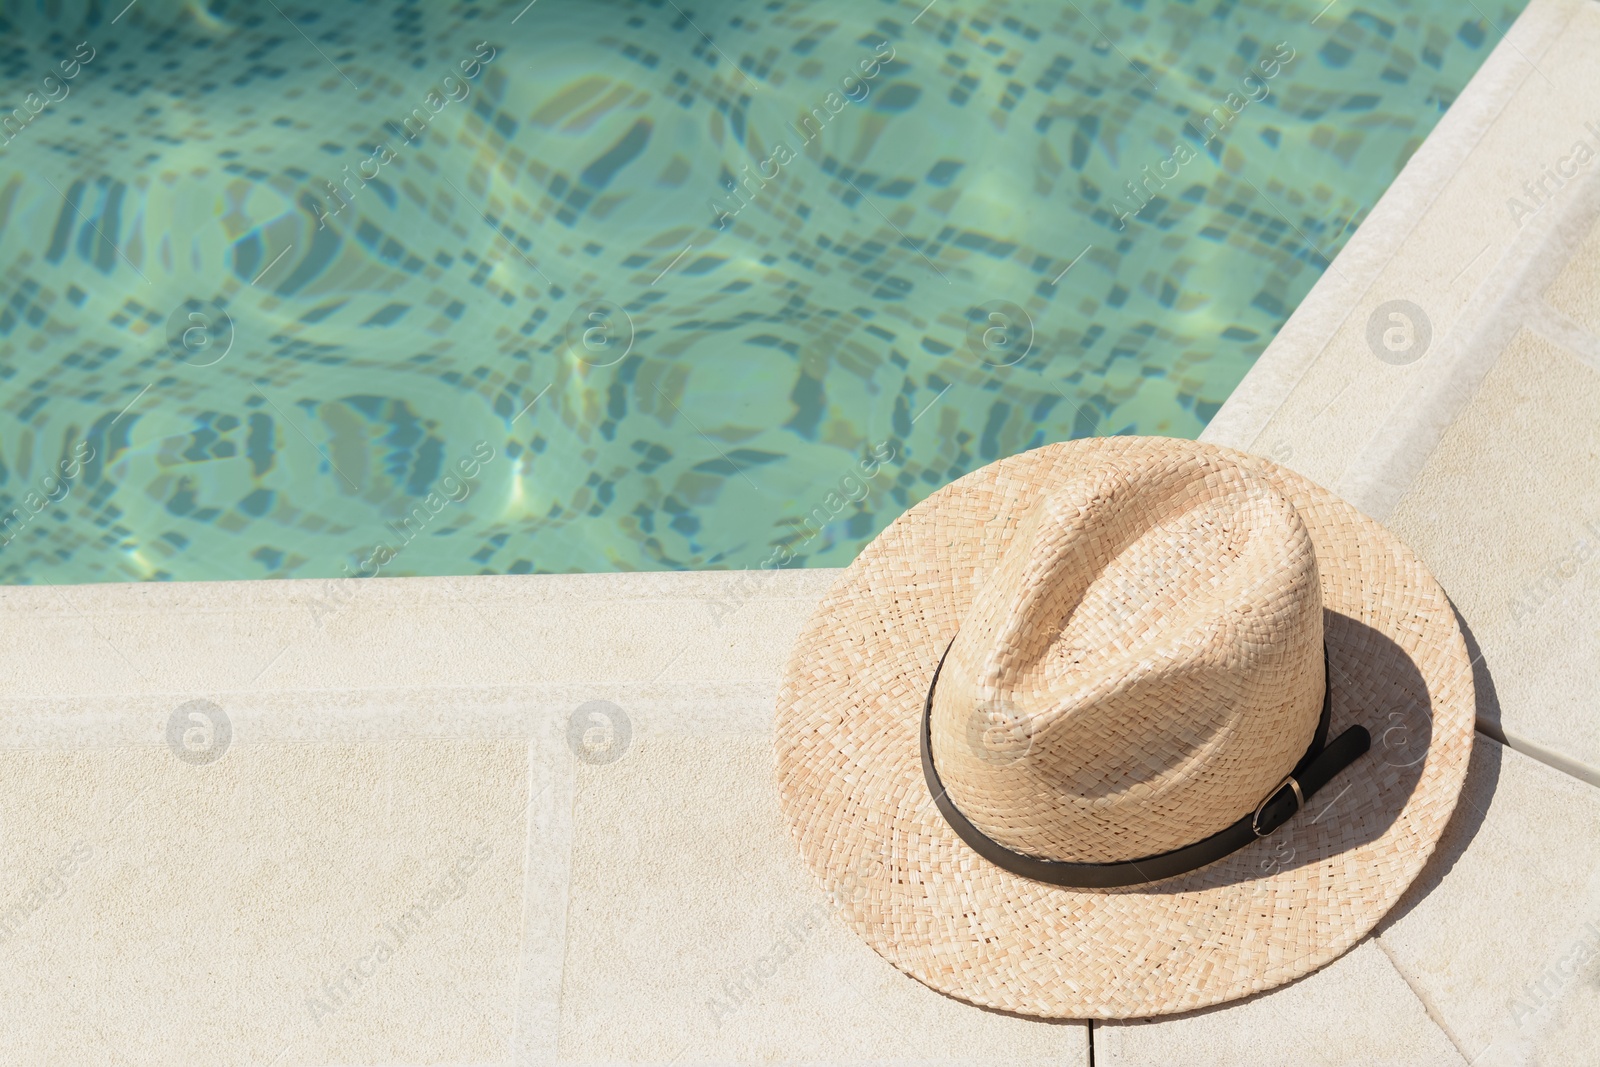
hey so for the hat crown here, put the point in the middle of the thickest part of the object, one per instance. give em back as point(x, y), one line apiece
point(1142, 667)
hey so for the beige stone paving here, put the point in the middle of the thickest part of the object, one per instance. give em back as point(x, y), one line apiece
point(1357, 1010)
point(204, 637)
point(1576, 291)
point(312, 901)
point(1502, 935)
point(630, 911)
point(399, 858)
point(1492, 958)
point(688, 896)
point(1507, 511)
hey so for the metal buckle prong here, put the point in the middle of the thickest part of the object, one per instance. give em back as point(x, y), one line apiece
point(1299, 803)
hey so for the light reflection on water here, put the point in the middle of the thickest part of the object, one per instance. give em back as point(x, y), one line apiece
point(284, 280)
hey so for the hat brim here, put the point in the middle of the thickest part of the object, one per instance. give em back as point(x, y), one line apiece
point(852, 790)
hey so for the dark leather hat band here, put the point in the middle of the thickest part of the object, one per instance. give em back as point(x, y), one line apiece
point(1316, 768)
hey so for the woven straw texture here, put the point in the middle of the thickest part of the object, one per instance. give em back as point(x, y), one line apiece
point(1144, 664)
point(979, 554)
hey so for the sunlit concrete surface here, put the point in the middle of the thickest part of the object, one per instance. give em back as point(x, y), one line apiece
point(410, 821)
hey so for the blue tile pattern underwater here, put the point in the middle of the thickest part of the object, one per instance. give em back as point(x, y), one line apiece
point(356, 288)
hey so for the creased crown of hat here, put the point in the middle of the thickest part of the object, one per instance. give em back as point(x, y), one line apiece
point(1142, 668)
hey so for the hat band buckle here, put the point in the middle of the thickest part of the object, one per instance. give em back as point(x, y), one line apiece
point(1323, 760)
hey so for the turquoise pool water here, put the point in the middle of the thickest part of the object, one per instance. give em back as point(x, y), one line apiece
point(403, 288)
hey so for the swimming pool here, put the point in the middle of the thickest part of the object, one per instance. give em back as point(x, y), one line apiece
point(392, 288)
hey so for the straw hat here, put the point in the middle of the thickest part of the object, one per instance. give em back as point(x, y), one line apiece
point(1123, 727)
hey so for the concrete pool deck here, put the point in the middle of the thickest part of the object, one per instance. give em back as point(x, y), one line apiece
point(308, 822)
